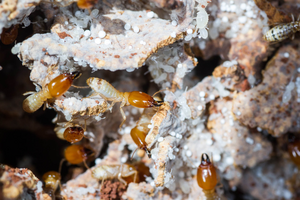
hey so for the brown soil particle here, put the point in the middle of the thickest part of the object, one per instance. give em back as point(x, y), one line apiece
point(112, 190)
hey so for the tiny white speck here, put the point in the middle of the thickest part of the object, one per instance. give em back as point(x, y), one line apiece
point(179, 65)
point(259, 129)
point(298, 70)
point(176, 150)
point(212, 97)
point(209, 142)
point(142, 42)
point(136, 29)
point(152, 184)
point(123, 159)
point(249, 140)
point(160, 139)
point(188, 153)
point(229, 160)
point(178, 136)
point(173, 34)
point(202, 94)
point(150, 14)
point(102, 34)
point(222, 121)
point(172, 133)
point(174, 23)
point(127, 27)
point(97, 161)
point(134, 111)
point(199, 107)
point(217, 157)
point(202, 99)
point(238, 113)
point(127, 130)
point(231, 122)
point(70, 27)
point(189, 31)
point(181, 174)
point(66, 22)
point(150, 126)
point(286, 54)
point(224, 110)
point(87, 33)
point(185, 147)
point(107, 42)
point(97, 40)
point(129, 47)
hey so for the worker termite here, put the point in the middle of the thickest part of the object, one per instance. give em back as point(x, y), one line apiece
point(282, 31)
point(52, 181)
point(121, 172)
point(207, 177)
point(57, 87)
point(294, 149)
point(109, 93)
point(76, 154)
point(140, 131)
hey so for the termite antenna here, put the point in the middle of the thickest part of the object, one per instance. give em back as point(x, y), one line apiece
point(60, 165)
point(160, 91)
point(80, 87)
point(133, 153)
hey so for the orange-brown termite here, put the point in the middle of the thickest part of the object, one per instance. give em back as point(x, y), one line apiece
point(140, 131)
point(109, 93)
point(207, 177)
point(70, 132)
point(52, 181)
point(57, 87)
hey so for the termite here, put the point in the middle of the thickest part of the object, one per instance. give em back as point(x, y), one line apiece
point(122, 171)
point(134, 98)
point(86, 4)
point(57, 87)
point(282, 31)
point(294, 149)
point(207, 177)
point(140, 131)
point(70, 132)
point(52, 181)
point(76, 154)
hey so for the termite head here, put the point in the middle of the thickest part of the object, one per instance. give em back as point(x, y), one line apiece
point(73, 134)
point(51, 179)
point(138, 135)
point(206, 174)
point(142, 100)
point(76, 154)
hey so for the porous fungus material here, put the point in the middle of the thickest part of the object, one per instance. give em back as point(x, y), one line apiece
point(273, 104)
point(19, 183)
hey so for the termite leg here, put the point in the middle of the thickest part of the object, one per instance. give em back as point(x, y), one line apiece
point(120, 178)
point(80, 87)
point(122, 112)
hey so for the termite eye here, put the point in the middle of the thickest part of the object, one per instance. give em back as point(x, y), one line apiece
point(141, 100)
point(76, 154)
point(73, 134)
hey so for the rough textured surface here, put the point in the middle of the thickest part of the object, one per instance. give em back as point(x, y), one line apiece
point(270, 105)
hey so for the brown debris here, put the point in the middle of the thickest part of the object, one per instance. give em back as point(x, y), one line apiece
point(274, 15)
point(112, 190)
point(263, 105)
point(17, 183)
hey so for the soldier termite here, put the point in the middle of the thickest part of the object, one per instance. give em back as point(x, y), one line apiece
point(57, 87)
point(207, 177)
point(109, 93)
